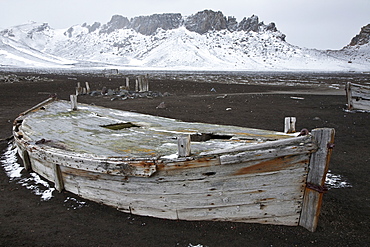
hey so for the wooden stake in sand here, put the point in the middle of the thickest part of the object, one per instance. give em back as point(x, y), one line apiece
point(289, 124)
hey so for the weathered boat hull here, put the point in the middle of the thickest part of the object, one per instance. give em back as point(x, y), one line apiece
point(260, 183)
point(358, 96)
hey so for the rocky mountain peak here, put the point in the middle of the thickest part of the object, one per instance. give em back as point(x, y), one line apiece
point(201, 22)
point(363, 37)
point(148, 25)
point(116, 22)
point(205, 21)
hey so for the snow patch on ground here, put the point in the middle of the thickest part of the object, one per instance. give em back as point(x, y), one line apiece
point(33, 182)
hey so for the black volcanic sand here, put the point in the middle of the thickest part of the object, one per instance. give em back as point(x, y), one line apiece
point(26, 220)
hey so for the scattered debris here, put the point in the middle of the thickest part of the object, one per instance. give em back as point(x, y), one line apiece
point(162, 105)
point(297, 98)
point(11, 78)
point(123, 94)
point(221, 96)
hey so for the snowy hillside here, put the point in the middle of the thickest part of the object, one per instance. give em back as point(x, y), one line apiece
point(204, 41)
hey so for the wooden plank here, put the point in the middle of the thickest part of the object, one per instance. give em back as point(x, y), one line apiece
point(153, 199)
point(349, 95)
point(358, 96)
point(289, 124)
point(200, 184)
point(360, 91)
point(26, 160)
point(361, 105)
point(87, 87)
point(183, 144)
point(319, 164)
point(273, 149)
point(58, 179)
point(163, 196)
point(73, 102)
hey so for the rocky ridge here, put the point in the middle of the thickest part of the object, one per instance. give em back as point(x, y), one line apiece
point(200, 22)
point(363, 37)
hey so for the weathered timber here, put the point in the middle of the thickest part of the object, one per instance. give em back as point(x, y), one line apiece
point(289, 124)
point(73, 102)
point(141, 164)
point(319, 164)
point(183, 143)
point(87, 88)
point(358, 96)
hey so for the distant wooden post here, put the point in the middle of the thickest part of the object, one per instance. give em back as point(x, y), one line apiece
point(349, 96)
point(289, 124)
point(136, 85)
point(319, 164)
point(78, 88)
point(87, 87)
point(127, 83)
point(73, 102)
point(183, 144)
point(142, 83)
point(146, 83)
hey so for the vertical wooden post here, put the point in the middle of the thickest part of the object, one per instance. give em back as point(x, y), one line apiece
point(349, 96)
point(78, 88)
point(319, 164)
point(26, 160)
point(136, 85)
point(58, 179)
point(73, 102)
point(146, 83)
point(183, 144)
point(127, 83)
point(289, 124)
point(87, 87)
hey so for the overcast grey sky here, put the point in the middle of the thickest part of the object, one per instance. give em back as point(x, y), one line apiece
point(321, 24)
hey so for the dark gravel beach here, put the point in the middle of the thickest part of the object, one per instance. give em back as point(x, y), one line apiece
point(26, 220)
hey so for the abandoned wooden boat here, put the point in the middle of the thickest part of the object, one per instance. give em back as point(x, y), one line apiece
point(358, 96)
point(166, 168)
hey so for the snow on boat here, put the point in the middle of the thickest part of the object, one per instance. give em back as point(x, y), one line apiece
point(165, 168)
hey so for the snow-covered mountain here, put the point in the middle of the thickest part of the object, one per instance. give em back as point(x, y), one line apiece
point(206, 40)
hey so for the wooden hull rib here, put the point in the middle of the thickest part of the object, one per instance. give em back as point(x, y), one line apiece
point(232, 173)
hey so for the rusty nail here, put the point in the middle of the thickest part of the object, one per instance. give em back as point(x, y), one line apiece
point(331, 145)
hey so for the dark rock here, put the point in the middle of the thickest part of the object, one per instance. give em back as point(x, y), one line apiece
point(148, 25)
point(94, 93)
point(117, 22)
point(93, 27)
point(205, 21)
point(250, 24)
point(69, 32)
point(363, 37)
point(271, 27)
point(232, 24)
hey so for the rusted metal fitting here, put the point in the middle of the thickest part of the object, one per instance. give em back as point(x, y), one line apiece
point(318, 188)
point(304, 132)
point(331, 145)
